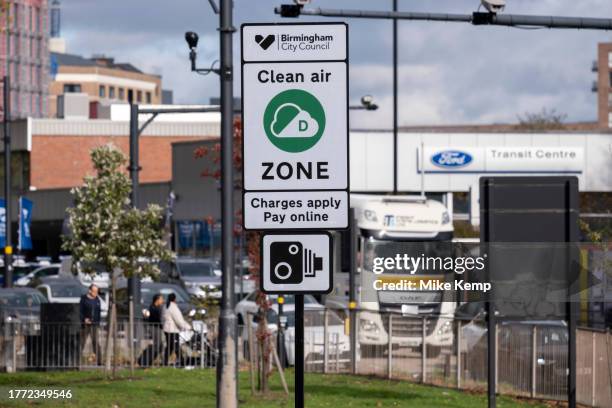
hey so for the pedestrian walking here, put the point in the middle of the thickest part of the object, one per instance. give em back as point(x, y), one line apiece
point(154, 319)
point(173, 323)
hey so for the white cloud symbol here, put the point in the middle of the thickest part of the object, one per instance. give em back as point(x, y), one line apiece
point(302, 124)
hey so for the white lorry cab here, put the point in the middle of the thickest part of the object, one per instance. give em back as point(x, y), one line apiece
point(388, 226)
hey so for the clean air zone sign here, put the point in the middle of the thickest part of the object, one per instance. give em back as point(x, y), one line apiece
point(295, 118)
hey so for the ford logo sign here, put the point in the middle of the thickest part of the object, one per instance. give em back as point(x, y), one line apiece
point(451, 158)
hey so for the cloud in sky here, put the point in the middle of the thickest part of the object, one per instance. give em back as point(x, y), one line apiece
point(448, 73)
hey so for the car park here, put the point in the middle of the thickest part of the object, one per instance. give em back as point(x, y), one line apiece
point(69, 290)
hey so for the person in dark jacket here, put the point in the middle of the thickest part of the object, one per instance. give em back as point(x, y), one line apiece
point(154, 318)
point(90, 307)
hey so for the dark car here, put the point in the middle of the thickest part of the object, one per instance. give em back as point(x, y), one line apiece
point(515, 353)
point(21, 306)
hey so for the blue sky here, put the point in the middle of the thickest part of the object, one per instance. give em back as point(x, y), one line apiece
point(450, 73)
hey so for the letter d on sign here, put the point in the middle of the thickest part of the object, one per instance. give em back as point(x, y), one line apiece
point(303, 125)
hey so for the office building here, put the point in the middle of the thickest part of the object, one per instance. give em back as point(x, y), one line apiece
point(24, 56)
point(102, 79)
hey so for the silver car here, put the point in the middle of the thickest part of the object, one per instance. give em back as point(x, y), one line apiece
point(200, 277)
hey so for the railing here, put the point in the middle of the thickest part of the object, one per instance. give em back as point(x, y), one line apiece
point(531, 359)
point(49, 346)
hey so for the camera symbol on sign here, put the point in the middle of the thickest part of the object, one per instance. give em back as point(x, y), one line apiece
point(291, 262)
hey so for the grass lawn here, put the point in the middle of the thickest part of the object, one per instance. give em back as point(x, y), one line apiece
point(169, 387)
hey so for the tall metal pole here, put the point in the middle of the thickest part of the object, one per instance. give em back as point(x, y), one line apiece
point(227, 366)
point(134, 168)
point(395, 99)
point(134, 160)
point(280, 338)
point(571, 355)
point(491, 350)
point(299, 351)
point(353, 289)
point(8, 248)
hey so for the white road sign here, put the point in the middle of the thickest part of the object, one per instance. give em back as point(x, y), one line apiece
point(295, 122)
point(288, 210)
point(300, 263)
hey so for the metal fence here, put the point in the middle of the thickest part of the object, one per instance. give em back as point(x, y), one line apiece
point(531, 358)
point(57, 346)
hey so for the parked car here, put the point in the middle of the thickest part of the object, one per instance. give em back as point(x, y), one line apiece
point(549, 358)
point(247, 284)
point(150, 289)
point(21, 306)
point(200, 277)
point(338, 341)
point(37, 274)
point(100, 277)
point(20, 269)
point(68, 290)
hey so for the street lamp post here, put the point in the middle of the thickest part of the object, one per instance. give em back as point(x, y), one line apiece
point(227, 364)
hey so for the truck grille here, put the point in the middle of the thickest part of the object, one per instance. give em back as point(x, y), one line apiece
point(409, 326)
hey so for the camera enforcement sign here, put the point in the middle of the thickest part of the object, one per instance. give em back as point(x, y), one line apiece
point(296, 263)
point(295, 118)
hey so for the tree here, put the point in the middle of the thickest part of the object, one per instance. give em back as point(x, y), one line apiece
point(263, 334)
point(107, 231)
point(543, 120)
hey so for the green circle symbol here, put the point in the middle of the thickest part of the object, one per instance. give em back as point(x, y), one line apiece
point(294, 120)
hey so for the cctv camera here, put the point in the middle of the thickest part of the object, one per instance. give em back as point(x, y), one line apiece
point(192, 39)
point(494, 6)
point(367, 100)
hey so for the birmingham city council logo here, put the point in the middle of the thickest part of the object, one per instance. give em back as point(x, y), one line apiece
point(294, 120)
point(265, 42)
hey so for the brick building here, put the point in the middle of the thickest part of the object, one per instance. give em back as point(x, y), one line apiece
point(24, 56)
point(50, 156)
point(102, 79)
point(59, 156)
point(603, 85)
